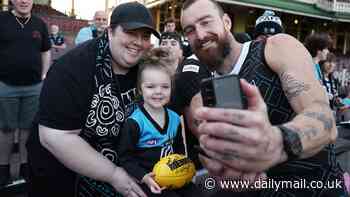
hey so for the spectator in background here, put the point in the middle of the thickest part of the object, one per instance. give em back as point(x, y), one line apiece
point(267, 25)
point(170, 25)
point(172, 41)
point(328, 81)
point(344, 103)
point(57, 42)
point(100, 23)
point(318, 46)
point(25, 58)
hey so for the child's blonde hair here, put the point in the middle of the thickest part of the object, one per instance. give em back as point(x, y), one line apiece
point(156, 58)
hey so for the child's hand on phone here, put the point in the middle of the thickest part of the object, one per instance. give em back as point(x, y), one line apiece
point(148, 179)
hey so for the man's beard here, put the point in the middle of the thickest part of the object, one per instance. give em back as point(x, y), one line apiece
point(216, 57)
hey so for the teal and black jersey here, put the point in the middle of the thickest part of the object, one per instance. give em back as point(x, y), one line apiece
point(150, 134)
point(142, 142)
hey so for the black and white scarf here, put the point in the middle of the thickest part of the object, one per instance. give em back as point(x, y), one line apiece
point(104, 121)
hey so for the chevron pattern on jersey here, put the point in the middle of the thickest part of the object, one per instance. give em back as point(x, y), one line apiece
point(255, 71)
point(321, 167)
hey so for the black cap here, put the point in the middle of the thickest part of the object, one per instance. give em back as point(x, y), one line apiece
point(133, 16)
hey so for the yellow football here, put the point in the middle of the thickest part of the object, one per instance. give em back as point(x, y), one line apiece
point(174, 171)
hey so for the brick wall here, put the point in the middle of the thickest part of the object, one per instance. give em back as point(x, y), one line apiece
point(66, 24)
point(52, 16)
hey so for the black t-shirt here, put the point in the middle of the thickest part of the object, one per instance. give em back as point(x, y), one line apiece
point(187, 84)
point(20, 49)
point(64, 103)
point(67, 89)
point(72, 78)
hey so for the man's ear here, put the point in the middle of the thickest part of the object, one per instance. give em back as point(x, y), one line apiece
point(227, 22)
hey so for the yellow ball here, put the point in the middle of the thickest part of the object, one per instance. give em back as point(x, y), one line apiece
point(174, 171)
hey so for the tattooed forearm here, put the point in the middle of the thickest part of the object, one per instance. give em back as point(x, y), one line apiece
point(291, 86)
point(322, 103)
point(308, 133)
point(327, 122)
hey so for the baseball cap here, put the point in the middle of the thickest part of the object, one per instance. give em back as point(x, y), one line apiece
point(268, 24)
point(132, 16)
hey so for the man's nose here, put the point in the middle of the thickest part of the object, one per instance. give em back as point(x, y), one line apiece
point(200, 33)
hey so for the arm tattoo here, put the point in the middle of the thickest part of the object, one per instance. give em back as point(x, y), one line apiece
point(291, 86)
point(307, 133)
point(327, 122)
point(322, 103)
point(229, 155)
point(196, 123)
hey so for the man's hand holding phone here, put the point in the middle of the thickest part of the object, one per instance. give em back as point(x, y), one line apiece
point(237, 138)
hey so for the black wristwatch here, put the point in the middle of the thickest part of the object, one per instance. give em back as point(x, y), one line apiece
point(291, 142)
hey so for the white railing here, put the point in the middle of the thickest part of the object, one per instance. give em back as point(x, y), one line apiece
point(150, 1)
point(334, 5)
point(308, 1)
point(325, 4)
point(342, 6)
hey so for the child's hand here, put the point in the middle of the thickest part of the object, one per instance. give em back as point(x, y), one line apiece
point(148, 179)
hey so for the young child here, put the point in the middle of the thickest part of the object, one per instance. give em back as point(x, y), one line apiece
point(152, 131)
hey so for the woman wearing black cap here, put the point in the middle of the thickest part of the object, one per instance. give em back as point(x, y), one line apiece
point(85, 99)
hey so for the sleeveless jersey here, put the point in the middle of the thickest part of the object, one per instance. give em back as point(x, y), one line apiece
point(320, 167)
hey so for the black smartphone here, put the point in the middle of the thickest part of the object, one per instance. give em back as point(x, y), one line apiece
point(199, 150)
point(223, 92)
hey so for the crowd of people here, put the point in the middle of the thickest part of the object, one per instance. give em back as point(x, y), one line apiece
point(111, 107)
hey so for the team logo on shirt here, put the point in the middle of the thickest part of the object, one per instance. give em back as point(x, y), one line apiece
point(191, 68)
point(36, 35)
point(253, 82)
point(151, 142)
point(167, 149)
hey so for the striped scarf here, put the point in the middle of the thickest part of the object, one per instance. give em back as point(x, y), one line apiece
point(104, 120)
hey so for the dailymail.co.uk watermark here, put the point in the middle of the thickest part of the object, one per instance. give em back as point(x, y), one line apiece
point(211, 183)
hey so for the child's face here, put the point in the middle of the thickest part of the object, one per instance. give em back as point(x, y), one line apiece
point(329, 67)
point(155, 87)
